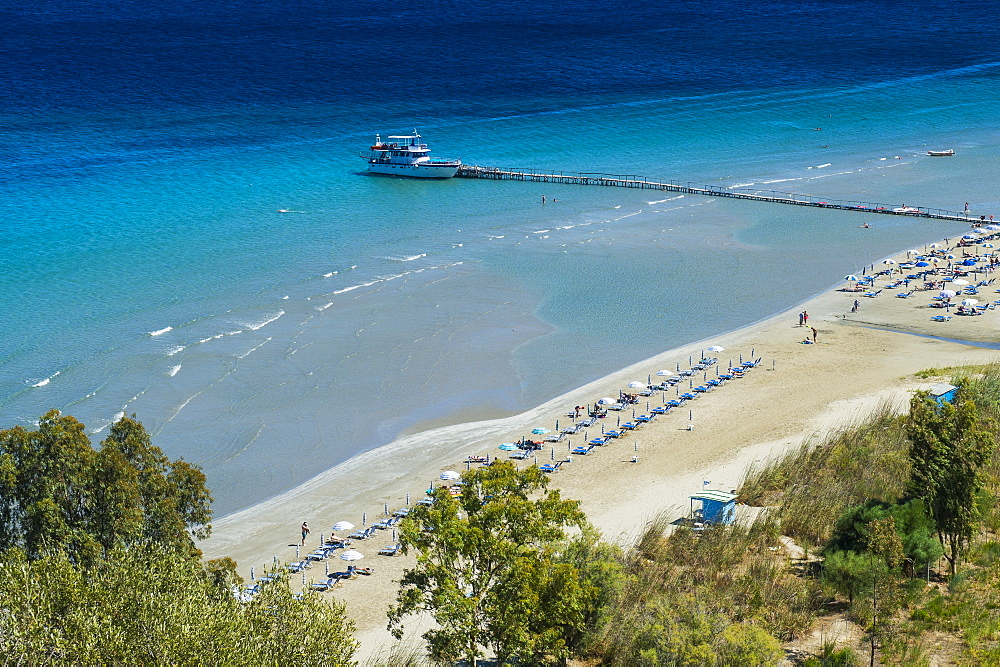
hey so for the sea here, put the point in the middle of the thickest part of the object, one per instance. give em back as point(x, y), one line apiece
point(188, 233)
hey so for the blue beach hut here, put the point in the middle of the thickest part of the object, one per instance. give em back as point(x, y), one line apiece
point(716, 507)
point(943, 393)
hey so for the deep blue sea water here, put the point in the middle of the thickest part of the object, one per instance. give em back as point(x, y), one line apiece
point(146, 149)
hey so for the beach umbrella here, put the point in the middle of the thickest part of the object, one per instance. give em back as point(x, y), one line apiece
point(959, 281)
point(508, 446)
point(935, 245)
point(343, 525)
point(968, 236)
point(607, 400)
point(980, 230)
point(851, 277)
point(888, 261)
point(716, 348)
point(969, 262)
point(969, 302)
point(922, 264)
point(947, 293)
point(449, 475)
point(988, 245)
point(541, 430)
point(993, 227)
point(664, 373)
point(637, 385)
point(351, 554)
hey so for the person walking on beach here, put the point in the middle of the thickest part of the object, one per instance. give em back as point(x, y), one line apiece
point(814, 333)
point(856, 305)
point(801, 320)
point(305, 532)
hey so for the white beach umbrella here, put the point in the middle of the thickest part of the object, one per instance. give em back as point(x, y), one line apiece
point(968, 237)
point(716, 348)
point(851, 277)
point(993, 227)
point(969, 302)
point(607, 400)
point(351, 554)
point(637, 385)
point(988, 245)
point(664, 373)
point(980, 230)
point(888, 261)
point(959, 281)
point(935, 245)
point(449, 475)
point(343, 525)
point(947, 293)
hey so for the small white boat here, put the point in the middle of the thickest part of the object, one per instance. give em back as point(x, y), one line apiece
point(407, 155)
point(941, 153)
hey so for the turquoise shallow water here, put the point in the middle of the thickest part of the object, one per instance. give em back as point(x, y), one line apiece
point(146, 268)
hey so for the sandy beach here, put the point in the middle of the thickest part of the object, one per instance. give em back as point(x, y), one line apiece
point(799, 391)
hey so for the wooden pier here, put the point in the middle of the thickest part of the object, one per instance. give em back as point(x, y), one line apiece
point(640, 182)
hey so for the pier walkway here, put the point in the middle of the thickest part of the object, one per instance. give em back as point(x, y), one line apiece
point(773, 196)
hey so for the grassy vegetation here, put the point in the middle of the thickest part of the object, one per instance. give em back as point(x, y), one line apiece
point(722, 596)
point(864, 471)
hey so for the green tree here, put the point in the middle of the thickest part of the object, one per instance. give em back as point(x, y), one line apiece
point(141, 606)
point(949, 445)
point(848, 572)
point(913, 524)
point(488, 570)
point(886, 551)
point(57, 493)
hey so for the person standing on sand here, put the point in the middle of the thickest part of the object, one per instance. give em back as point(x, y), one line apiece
point(805, 318)
point(814, 333)
point(800, 319)
point(305, 532)
point(856, 306)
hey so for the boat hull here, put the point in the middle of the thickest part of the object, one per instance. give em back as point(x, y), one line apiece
point(414, 170)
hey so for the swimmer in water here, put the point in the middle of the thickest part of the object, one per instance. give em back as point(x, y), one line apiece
point(865, 226)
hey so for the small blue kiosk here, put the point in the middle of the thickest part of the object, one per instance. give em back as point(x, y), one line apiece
point(716, 507)
point(943, 393)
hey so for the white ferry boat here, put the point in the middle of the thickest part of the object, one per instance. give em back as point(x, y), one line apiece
point(407, 155)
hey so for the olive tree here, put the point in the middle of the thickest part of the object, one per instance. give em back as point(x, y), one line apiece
point(489, 569)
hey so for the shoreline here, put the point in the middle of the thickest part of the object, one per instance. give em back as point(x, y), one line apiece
point(798, 392)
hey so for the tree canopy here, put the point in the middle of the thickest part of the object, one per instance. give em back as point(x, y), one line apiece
point(57, 493)
point(949, 446)
point(144, 606)
point(100, 567)
point(489, 568)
